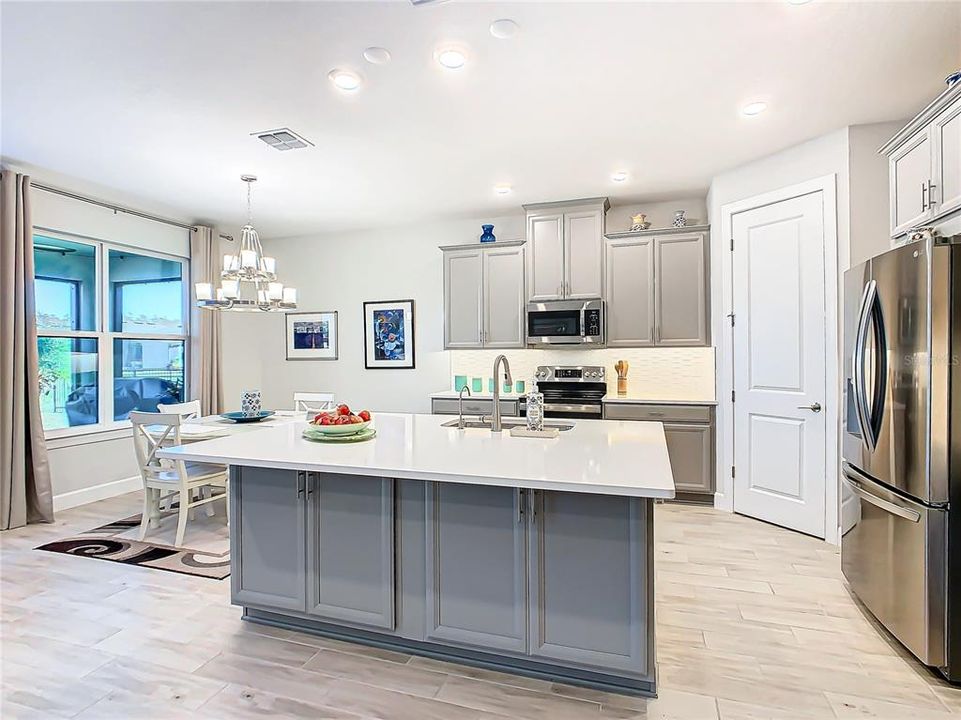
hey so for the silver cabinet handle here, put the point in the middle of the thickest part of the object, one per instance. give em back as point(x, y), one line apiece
point(924, 193)
point(931, 187)
point(814, 407)
point(521, 499)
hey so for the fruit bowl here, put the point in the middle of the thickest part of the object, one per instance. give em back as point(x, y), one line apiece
point(350, 429)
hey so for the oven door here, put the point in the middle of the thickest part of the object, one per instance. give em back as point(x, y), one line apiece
point(572, 409)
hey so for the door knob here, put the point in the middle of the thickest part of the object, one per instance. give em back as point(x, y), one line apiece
point(816, 407)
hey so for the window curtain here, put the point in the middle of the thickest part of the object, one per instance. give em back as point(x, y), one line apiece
point(205, 324)
point(25, 492)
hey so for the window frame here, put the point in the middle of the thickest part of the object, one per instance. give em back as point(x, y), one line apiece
point(105, 336)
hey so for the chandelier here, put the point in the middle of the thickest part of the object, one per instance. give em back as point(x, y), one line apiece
point(250, 266)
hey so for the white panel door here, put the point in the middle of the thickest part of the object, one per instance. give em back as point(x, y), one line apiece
point(504, 297)
point(630, 291)
point(779, 363)
point(584, 237)
point(463, 298)
point(545, 240)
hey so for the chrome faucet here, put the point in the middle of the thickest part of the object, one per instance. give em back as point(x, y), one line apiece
point(460, 407)
point(496, 425)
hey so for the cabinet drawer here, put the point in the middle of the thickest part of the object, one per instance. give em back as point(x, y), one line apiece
point(657, 413)
point(443, 406)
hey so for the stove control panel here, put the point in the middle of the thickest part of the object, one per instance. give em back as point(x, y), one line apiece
point(570, 373)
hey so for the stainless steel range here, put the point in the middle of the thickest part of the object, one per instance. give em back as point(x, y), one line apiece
point(572, 391)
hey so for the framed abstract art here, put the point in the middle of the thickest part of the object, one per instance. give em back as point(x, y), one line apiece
point(389, 334)
point(312, 335)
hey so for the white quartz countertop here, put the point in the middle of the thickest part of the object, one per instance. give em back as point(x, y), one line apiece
point(611, 397)
point(607, 457)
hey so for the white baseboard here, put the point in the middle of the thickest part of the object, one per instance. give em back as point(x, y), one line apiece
point(74, 498)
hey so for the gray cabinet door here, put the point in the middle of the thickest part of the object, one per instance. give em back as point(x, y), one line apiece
point(630, 291)
point(463, 298)
point(947, 153)
point(504, 297)
point(350, 548)
point(590, 597)
point(680, 302)
point(691, 450)
point(909, 171)
point(268, 542)
point(584, 252)
point(545, 242)
point(476, 566)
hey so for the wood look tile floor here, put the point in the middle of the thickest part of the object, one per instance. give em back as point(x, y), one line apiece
point(753, 622)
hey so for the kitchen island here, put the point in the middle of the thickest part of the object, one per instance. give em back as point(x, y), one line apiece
point(531, 556)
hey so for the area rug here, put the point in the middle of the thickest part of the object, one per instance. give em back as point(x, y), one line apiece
point(208, 555)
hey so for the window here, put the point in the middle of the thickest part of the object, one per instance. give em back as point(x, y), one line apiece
point(112, 332)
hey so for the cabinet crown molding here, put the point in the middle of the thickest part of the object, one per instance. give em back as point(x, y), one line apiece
point(923, 118)
point(659, 231)
point(557, 205)
point(483, 246)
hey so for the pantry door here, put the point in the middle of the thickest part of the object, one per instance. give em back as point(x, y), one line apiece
point(780, 358)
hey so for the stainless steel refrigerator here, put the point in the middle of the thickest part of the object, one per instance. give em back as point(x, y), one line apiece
point(901, 452)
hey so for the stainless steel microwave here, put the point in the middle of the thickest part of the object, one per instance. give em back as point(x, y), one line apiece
point(566, 322)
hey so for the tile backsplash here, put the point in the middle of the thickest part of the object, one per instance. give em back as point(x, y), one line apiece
point(655, 373)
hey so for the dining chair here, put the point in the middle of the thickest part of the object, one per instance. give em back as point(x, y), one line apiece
point(187, 410)
point(163, 478)
point(313, 401)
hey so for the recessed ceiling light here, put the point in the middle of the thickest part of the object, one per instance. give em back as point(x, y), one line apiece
point(377, 55)
point(451, 58)
point(619, 176)
point(754, 108)
point(345, 79)
point(502, 189)
point(503, 29)
point(799, 2)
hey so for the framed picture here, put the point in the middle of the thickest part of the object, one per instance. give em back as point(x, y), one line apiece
point(312, 335)
point(389, 334)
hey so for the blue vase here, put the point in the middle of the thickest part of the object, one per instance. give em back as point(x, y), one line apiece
point(488, 234)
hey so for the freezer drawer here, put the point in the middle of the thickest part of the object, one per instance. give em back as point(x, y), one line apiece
point(894, 558)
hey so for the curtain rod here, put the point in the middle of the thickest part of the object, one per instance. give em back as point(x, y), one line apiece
point(118, 208)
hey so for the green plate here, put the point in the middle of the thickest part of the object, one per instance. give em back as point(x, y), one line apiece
point(351, 429)
point(366, 434)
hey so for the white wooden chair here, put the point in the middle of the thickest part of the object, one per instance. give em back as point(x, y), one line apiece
point(313, 401)
point(162, 478)
point(187, 410)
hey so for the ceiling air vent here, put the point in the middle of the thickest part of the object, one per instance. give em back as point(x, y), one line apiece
point(283, 139)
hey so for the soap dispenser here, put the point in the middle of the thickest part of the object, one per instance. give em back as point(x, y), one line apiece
point(535, 407)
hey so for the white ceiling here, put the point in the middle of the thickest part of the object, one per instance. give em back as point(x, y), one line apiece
point(157, 100)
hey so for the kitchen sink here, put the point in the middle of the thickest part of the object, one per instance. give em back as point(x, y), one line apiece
point(509, 423)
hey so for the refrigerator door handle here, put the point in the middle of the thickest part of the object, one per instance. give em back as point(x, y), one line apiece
point(857, 369)
point(853, 481)
point(879, 391)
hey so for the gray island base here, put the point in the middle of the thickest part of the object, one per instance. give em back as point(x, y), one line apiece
point(526, 555)
point(550, 584)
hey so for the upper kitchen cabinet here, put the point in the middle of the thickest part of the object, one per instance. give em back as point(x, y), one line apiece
point(566, 249)
point(656, 287)
point(924, 162)
point(680, 289)
point(484, 295)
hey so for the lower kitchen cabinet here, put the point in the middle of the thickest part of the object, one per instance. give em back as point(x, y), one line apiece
point(350, 548)
point(269, 545)
point(589, 593)
point(689, 432)
point(476, 566)
point(320, 544)
point(691, 448)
